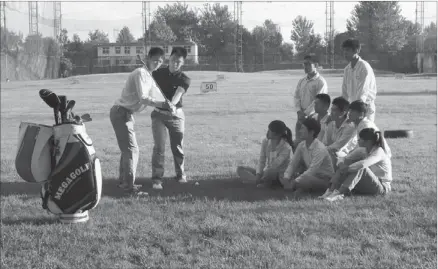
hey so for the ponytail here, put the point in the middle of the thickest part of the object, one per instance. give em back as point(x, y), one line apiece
point(288, 136)
point(378, 140)
point(375, 136)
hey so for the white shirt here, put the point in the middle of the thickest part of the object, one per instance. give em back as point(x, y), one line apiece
point(359, 83)
point(315, 157)
point(338, 138)
point(306, 91)
point(138, 91)
point(323, 123)
point(275, 158)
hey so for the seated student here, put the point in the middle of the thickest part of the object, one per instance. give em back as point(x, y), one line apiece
point(372, 175)
point(310, 168)
point(321, 106)
point(274, 156)
point(339, 131)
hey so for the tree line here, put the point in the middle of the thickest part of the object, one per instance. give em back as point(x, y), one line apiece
point(389, 39)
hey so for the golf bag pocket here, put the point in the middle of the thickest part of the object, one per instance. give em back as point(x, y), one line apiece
point(33, 156)
point(76, 181)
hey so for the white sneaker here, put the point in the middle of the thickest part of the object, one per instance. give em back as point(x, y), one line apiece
point(335, 196)
point(327, 193)
point(157, 186)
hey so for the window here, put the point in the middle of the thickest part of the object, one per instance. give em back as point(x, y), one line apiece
point(139, 50)
point(188, 48)
point(127, 50)
point(118, 50)
point(166, 49)
point(105, 50)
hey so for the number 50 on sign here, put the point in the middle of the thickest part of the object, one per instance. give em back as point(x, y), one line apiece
point(208, 87)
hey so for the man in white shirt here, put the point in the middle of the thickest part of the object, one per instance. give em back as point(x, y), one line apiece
point(310, 168)
point(359, 82)
point(339, 131)
point(307, 89)
point(137, 94)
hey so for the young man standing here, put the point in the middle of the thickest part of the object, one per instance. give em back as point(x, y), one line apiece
point(307, 89)
point(136, 96)
point(310, 168)
point(339, 131)
point(174, 83)
point(359, 82)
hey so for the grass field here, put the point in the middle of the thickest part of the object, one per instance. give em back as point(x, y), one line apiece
point(222, 223)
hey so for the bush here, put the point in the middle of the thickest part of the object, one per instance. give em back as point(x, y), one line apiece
point(65, 67)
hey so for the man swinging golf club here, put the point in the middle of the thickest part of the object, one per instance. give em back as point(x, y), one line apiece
point(139, 92)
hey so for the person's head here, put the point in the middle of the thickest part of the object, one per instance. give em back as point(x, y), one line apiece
point(322, 103)
point(369, 138)
point(339, 108)
point(277, 129)
point(177, 57)
point(311, 128)
point(357, 111)
point(350, 47)
point(155, 58)
point(309, 64)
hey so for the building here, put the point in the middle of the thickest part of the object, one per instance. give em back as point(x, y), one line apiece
point(115, 54)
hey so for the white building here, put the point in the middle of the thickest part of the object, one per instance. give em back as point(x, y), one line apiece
point(115, 54)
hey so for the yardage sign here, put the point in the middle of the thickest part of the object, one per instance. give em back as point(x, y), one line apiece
point(209, 86)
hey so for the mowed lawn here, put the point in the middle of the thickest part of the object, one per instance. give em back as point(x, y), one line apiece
point(222, 223)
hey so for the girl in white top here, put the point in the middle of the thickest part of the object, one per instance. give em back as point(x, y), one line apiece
point(274, 156)
point(371, 175)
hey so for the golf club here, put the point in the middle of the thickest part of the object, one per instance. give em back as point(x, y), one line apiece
point(62, 108)
point(69, 108)
point(52, 100)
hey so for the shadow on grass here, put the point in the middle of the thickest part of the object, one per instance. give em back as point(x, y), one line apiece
point(219, 187)
point(31, 221)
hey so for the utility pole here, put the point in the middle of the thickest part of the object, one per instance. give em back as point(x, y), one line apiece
point(3, 25)
point(419, 23)
point(146, 22)
point(33, 18)
point(57, 25)
point(329, 33)
point(238, 36)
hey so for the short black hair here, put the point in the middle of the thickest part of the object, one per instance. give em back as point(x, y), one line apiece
point(341, 103)
point(359, 106)
point(312, 125)
point(156, 51)
point(325, 98)
point(311, 59)
point(351, 43)
point(179, 51)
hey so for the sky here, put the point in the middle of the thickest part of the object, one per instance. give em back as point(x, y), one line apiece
point(81, 17)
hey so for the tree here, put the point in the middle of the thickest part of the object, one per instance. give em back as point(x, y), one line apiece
point(430, 34)
point(125, 36)
point(378, 26)
point(287, 51)
point(10, 40)
point(160, 31)
point(97, 37)
point(301, 33)
point(180, 19)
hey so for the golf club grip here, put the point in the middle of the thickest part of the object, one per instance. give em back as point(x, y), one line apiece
point(158, 86)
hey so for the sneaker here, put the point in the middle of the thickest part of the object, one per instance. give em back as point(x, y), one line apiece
point(335, 196)
point(181, 180)
point(327, 193)
point(157, 186)
point(135, 191)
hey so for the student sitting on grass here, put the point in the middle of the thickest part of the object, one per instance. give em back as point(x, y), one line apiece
point(310, 168)
point(339, 131)
point(372, 175)
point(274, 156)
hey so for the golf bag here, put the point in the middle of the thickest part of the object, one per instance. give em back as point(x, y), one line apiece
point(61, 158)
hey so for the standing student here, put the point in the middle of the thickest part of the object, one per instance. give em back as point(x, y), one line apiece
point(174, 84)
point(307, 89)
point(372, 175)
point(310, 168)
point(359, 82)
point(274, 156)
point(135, 97)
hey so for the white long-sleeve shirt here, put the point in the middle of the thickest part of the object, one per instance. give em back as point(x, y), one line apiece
point(275, 158)
point(338, 138)
point(140, 90)
point(306, 91)
point(359, 83)
point(323, 123)
point(315, 157)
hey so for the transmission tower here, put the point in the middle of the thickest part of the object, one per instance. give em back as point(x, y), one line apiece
point(238, 36)
point(57, 20)
point(329, 33)
point(419, 22)
point(3, 25)
point(146, 22)
point(3, 15)
point(33, 18)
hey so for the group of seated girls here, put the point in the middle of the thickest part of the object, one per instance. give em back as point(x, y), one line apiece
point(344, 155)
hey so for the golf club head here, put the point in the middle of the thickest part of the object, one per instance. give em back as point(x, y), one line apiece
point(50, 98)
point(62, 108)
point(86, 117)
point(70, 104)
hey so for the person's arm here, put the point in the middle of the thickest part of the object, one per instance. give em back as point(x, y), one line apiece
point(181, 90)
point(297, 98)
point(315, 164)
point(375, 157)
point(344, 85)
point(143, 85)
point(281, 158)
point(327, 133)
point(322, 88)
point(355, 155)
point(363, 87)
point(262, 158)
point(294, 161)
point(348, 133)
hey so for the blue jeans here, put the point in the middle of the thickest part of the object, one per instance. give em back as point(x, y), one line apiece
point(175, 128)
